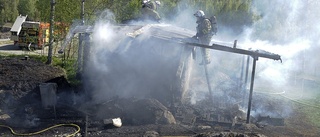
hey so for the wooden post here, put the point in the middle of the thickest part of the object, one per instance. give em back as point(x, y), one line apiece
point(235, 44)
point(244, 87)
point(251, 88)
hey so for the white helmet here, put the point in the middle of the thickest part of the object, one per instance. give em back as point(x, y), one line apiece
point(158, 2)
point(145, 1)
point(199, 13)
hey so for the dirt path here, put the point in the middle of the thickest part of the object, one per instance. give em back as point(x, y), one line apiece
point(7, 47)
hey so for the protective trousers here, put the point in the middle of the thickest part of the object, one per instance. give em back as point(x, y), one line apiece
point(204, 51)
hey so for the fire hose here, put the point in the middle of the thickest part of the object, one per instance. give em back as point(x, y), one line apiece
point(299, 102)
point(44, 130)
point(291, 99)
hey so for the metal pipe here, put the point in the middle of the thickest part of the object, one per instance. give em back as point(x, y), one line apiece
point(80, 47)
point(251, 88)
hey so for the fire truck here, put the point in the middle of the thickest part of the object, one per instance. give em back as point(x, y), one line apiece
point(28, 34)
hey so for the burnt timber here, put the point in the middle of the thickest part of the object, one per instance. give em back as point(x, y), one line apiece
point(183, 37)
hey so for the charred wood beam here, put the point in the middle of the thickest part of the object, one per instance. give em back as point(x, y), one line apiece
point(253, 53)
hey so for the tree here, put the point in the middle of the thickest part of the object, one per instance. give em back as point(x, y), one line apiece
point(13, 10)
point(2, 19)
point(42, 7)
point(52, 14)
point(232, 13)
point(28, 7)
point(95, 7)
point(4, 10)
point(71, 10)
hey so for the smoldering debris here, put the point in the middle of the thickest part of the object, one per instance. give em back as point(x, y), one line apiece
point(135, 111)
point(132, 111)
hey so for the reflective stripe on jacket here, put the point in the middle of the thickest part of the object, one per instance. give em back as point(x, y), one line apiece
point(204, 27)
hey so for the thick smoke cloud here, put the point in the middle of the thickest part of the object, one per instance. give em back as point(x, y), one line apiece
point(288, 28)
point(127, 62)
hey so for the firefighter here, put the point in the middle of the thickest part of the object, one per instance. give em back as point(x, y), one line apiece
point(149, 10)
point(203, 35)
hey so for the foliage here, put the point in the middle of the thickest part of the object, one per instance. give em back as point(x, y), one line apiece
point(167, 8)
point(8, 11)
point(69, 67)
point(233, 14)
point(27, 7)
point(229, 12)
point(310, 107)
point(313, 113)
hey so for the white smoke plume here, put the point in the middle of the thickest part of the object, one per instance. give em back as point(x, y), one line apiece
point(127, 62)
point(288, 28)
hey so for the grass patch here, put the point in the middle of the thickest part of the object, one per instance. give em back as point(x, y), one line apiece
point(6, 42)
point(309, 104)
point(312, 110)
point(306, 101)
point(313, 116)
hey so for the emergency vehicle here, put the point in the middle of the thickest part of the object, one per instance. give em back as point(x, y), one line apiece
point(28, 34)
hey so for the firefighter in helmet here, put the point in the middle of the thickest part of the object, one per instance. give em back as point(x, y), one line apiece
point(203, 35)
point(149, 10)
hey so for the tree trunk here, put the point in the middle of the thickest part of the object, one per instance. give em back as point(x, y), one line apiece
point(51, 32)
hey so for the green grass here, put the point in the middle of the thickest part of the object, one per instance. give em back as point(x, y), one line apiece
point(71, 71)
point(312, 110)
point(308, 104)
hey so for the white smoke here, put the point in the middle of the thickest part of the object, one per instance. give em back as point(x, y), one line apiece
point(289, 28)
point(127, 62)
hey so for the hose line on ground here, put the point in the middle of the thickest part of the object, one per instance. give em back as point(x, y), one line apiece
point(41, 131)
point(299, 102)
point(291, 99)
